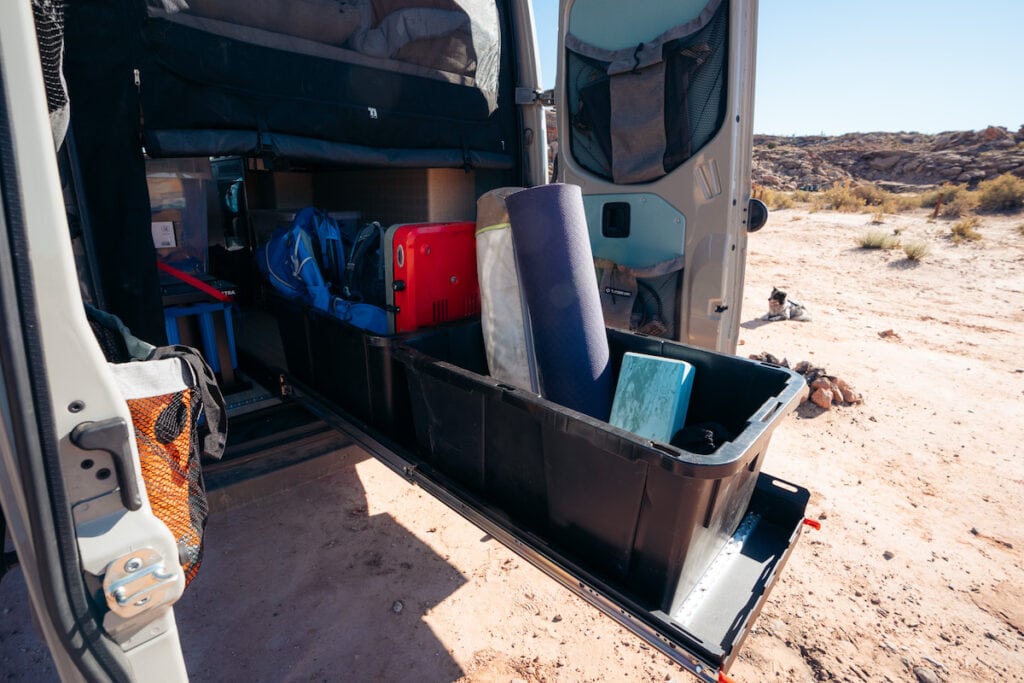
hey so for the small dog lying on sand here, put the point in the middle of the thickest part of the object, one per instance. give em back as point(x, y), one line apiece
point(780, 307)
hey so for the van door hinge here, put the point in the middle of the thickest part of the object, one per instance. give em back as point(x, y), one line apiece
point(526, 96)
point(137, 582)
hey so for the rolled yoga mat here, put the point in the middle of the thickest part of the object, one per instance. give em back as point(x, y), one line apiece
point(556, 270)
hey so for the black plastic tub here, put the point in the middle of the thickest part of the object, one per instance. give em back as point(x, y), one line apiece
point(351, 367)
point(649, 516)
point(354, 369)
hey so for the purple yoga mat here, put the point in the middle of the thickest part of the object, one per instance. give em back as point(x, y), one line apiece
point(556, 270)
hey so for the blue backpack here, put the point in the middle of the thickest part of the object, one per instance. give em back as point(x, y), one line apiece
point(295, 259)
point(326, 237)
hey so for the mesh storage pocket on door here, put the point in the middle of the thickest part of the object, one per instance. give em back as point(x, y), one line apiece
point(638, 113)
point(166, 396)
point(165, 426)
point(168, 389)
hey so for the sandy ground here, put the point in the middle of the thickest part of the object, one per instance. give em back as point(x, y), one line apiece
point(920, 561)
point(917, 573)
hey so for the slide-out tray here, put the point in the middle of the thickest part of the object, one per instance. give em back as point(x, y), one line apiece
point(705, 632)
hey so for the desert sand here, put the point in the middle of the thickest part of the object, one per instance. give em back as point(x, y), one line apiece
point(916, 575)
point(920, 560)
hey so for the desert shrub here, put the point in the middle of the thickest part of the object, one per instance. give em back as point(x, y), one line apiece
point(775, 199)
point(839, 197)
point(1005, 193)
point(900, 203)
point(916, 251)
point(872, 194)
point(877, 239)
point(944, 192)
point(956, 200)
point(802, 196)
point(965, 230)
point(960, 205)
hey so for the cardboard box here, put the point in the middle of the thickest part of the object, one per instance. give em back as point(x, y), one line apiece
point(400, 195)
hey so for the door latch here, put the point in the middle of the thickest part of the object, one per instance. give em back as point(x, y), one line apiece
point(544, 98)
point(112, 435)
point(137, 582)
point(716, 307)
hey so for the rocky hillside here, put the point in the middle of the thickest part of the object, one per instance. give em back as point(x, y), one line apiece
point(897, 161)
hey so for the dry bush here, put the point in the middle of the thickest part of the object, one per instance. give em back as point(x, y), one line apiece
point(776, 199)
point(802, 196)
point(872, 194)
point(889, 202)
point(917, 251)
point(960, 205)
point(944, 192)
point(1005, 193)
point(900, 203)
point(877, 239)
point(839, 197)
point(954, 200)
point(965, 230)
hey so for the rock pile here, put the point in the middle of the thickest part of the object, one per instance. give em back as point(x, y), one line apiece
point(897, 161)
point(825, 390)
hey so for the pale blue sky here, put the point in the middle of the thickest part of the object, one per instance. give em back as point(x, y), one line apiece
point(832, 67)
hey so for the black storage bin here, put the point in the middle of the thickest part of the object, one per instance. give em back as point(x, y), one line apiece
point(355, 369)
point(347, 365)
point(649, 516)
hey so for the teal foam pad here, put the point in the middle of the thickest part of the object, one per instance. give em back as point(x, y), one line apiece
point(652, 396)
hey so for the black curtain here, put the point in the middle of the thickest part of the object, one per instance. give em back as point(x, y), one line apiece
point(101, 44)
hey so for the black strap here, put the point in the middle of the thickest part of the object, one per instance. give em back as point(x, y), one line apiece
point(362, 245)
point(214, 432)
point(330, 247)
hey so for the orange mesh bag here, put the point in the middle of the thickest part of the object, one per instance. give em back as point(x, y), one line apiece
point(164, 428)
point(178, 414)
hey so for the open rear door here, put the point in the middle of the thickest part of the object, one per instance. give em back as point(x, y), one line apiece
point(101, 570)
point(655, 121)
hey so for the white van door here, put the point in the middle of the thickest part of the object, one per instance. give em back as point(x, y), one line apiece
point(655, 110)
point(102, 572)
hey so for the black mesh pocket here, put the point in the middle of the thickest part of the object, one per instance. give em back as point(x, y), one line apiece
point(684, 100)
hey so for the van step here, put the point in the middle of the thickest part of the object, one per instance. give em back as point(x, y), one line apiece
point(266, 450)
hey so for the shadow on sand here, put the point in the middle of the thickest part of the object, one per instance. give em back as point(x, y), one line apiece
point(755, 323)
point(904, 264)
point(809, 410)
point(305, 585)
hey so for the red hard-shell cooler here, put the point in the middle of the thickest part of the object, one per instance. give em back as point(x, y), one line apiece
point(430, 271)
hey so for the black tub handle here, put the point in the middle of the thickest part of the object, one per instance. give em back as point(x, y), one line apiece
point(769, 409)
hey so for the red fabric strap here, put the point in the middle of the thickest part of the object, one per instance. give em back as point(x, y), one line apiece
point(195, 282)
